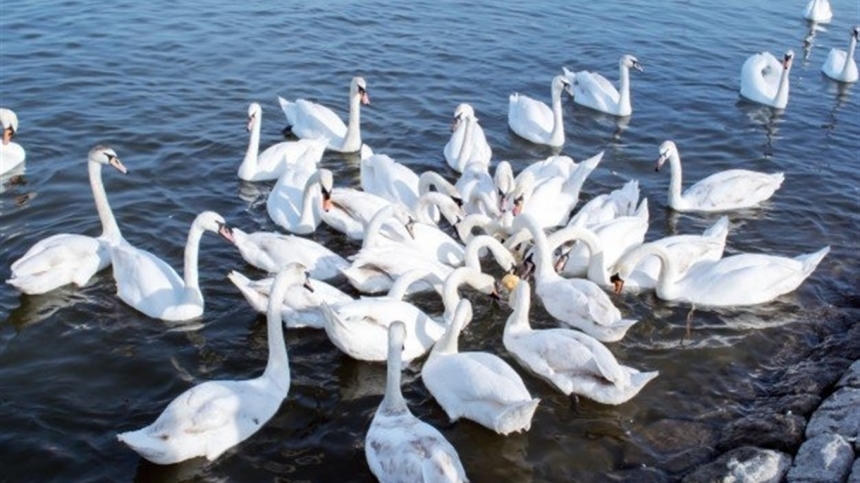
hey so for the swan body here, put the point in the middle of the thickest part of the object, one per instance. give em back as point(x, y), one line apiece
point(272, 162)
point(349, 210)
point(12, 154)
point(294, 203)
point(151, 286)
point(764, 79)
point(301, 305)
point(535, 121)
point(744, 279)
point(70, 258)
point(577, 302)
point(468, 142)
point(726, 190)
point(210, 418)
point(482, 192)
point(382, 176)
point(840, 65)
point(608, 206)
point(476, 385)
point(271, 252)
point(569, 360)
point(818, 11)
point(310, 120)
point(400, 447)
point(592, 90)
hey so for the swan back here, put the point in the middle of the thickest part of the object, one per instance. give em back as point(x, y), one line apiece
point(818, 11)
point(534, 120)
point(840, 65)
point(764, 79)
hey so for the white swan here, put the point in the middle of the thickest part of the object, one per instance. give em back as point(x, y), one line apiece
point(476, 385)
point(571, 361)
point(301, 305)
point(400, 447)
point(310, 120)
point(840, 65)
point(67, 258)
point(272, 162)
point(726, 190)
point(295, 202)
point(482, 192)
point(468, 142)
point(151, 286)
point(744, 279)
point(591, 89)
point(348, 210)
point(818, 11)
point(271, 252)
point(577, 302)
point(382, 176)
point(11, 153)
point(534, 120)
point(608, 206)
point(764, 79)
point(212, 417)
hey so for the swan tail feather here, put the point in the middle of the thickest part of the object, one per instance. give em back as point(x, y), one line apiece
point(719, 230)
point(811, 260)
point(516, 417)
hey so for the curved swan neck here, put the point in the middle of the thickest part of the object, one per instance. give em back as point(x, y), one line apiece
point(278, 366)
point(596, 260)
point(352, 139)
point(249, 164)
point(110, 230)
point(460, 276)
point(473, 250)
point(192, 250)
point(849, 57)
point(624, 89)
point(372, 233)
point(308, 217)
point(668, 274)
point(466, 146)
point(448, 343)
point(543, 265)
point(401, 285)
point(434, 199)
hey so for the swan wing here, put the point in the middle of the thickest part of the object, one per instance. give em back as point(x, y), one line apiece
point(529, 118)
point(735, 188)
point(595, 91)
point(58, 260)
point(312, 121)
point(384, 177)
point(143, 280)
point(760, 77)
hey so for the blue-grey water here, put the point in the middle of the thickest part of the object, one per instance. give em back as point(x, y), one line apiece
point(167, 84)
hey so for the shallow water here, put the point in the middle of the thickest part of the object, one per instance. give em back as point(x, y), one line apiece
point(168, 87)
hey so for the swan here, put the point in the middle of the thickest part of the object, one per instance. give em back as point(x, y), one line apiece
point(569, 360)
point(577, 302)
point(476, 385)
point(382, 176)
point(744, 279)
point(301, 305)
point(498, 227)
point(151, 286)
point(550, 200)
point(608, 206)
point(347, 210)
point(534, 120)
point(271, 252)
point(726, 190)
point(840, 65)
point(11, 154)
point(308, 119)
point(764, 79)
point(290, 204)
point(591, 89)
point(69, 258)
point(468, 142)
point(400, 447)
point(272, 162)
point(818, 11)
point(210, 418)
point(482, 192)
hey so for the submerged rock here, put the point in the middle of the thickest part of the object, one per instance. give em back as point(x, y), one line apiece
point(826, 458)
point(744, 465)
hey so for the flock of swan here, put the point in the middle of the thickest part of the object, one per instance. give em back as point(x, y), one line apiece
point(573, 258)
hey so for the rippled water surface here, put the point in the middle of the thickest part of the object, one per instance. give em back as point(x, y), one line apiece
point(168, 87)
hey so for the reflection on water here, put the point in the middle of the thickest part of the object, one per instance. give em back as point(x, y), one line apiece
point(766, 117)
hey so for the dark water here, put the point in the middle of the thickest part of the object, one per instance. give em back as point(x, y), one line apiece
point(168, 86)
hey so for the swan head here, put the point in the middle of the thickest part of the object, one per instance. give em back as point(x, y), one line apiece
point(507, 285)
point(105, 155)
point(855, 33)
point(402, 214)
point(326, 181)
point(254, 111)
point(464, 111)
point(396, 337)
point(561, 83)
point(503, 178)
point(667, 150)
point(521, 192)
point(630, 62)
point(786, 60)
point(10, 124)
point(211, 221)
point(358, 87)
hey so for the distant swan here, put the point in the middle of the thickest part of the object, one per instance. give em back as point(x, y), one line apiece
point(534, 120)
point(210, 418)
point(468, 142)
point(818, 11)
point(151, 286)
point(400, 447)
point(840, 65)
point(67, 258)
point(309, 120)
point(764, 79)
point(592, 90)
point(11, 153)
point(732, 189)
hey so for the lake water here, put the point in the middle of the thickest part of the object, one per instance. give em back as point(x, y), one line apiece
point(168, 84)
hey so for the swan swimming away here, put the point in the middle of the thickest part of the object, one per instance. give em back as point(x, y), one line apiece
point(468, 142)
point(11, 153)
point(591, 89)
point(310, 120)
point(818, 11)
point(840, 65)
point(726, 190)
point(400, 447)
point(69, 258)
point(764, 79)
point(535, 121)
point(210, 418)
point(151, 286)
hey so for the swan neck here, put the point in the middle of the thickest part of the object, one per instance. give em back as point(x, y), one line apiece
point(372, 233)
point(596, 261)
point(557, 134)
point(466, 146)
point(668, 274)
point(352, 140)
point(308, 217)
point(448, 343)
point(110, 229)
point(192, 249)
point(624, 90)
point(849, 57)
point(518, 321)
point(278, 366)
point(675, 180)
point(393, 401)
point(543, 265)
point(422, 208)
point(249, 164)
point(781, 97)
